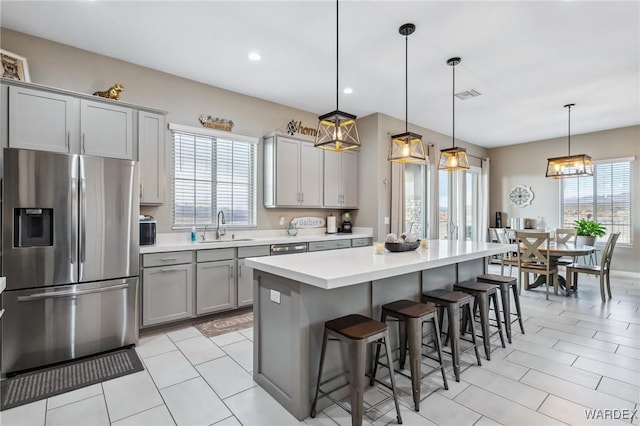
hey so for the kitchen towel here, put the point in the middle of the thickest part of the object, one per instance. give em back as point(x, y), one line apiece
point(331, 225)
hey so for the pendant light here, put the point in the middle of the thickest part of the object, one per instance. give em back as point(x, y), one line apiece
point(406, 147)
point(453, 159)
point(337, 130)
point(570, 165)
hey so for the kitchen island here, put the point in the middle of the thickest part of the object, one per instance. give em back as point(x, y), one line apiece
point(295, 294)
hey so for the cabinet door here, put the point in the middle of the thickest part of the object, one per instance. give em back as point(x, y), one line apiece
point(215, 286)
point(42, 120)
point(167, 294)
point(349, 179)
point(151, 153)
point(287, 172)
point(107, 130)
point(245, 284)
point(332, 178)
point(310, 171)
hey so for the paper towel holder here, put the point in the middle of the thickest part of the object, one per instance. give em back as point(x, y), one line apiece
point(331, 224)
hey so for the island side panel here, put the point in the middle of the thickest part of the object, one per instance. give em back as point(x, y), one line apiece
point(288, 336)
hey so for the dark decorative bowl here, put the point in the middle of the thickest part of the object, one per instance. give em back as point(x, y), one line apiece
point(396, 247)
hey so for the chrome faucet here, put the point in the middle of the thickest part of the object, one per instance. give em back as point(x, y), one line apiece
point(220, 232)
point(204, 233)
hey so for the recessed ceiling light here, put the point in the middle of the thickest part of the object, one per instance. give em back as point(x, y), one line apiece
point(347, 90)
point(254, 56)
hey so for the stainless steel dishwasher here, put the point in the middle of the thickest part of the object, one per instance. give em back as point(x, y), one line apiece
point(288, 248)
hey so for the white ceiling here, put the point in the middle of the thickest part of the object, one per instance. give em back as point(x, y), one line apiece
point(527, 58)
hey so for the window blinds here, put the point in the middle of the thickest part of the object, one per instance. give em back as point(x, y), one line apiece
point(604, 197)
point(213, 174)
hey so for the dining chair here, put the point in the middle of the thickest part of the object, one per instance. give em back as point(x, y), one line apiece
point(563, 236)
point(535, 258)
point(601, 270)
point(509, 258)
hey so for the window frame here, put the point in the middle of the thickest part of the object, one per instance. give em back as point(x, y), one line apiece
point(252, 186)
point(595, 204)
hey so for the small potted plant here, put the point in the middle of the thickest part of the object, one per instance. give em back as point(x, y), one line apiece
point(587, 230)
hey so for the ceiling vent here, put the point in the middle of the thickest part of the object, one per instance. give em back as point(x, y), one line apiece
point(467, 94)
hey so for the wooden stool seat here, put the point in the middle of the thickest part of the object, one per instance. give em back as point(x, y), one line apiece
point(409, 309)
point(484, 295)
point(497, 279)
point(356, 327)
point(442, 296)
point(504, 283)
point(411, 317)
point(453, 302)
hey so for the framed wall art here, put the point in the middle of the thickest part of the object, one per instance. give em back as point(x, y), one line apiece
point(14, 66)
point(521, 195)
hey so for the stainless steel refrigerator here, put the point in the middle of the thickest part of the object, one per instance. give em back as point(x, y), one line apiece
point(70, 251)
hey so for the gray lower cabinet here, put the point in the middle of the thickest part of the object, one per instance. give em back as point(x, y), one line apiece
point(329, 245)
point(215, 286)
point(167, 293)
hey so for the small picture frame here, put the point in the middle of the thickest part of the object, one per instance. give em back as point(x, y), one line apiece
point(14, 66)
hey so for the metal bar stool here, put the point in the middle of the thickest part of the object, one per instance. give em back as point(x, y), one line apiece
point(504, 283)
point(411, 316)
point(357, 331)
point(483, 295)
point(453, 301)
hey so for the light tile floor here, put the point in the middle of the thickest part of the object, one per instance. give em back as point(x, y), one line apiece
point(577, 354)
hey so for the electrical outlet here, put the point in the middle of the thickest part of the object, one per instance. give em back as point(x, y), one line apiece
point(386, 220)
point(275, 296)
point(281, 220)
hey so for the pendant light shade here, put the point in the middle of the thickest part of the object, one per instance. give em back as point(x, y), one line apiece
point(407, 147)
point(455, 158)
point(570, 165)
point(337, 130)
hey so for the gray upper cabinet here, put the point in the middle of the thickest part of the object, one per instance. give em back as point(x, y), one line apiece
point(151, 153)
point(341, 179)
point(43, 121)
point(293, 171)
point(107, 130)
point(50, 119)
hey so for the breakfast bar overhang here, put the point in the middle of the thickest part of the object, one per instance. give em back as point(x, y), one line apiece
point(295, 294)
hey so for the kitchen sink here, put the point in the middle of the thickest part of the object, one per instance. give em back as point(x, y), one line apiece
point(226, 241)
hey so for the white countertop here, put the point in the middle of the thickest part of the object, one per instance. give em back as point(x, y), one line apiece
point(3, 284)
point(180, 242)
point(339, 268)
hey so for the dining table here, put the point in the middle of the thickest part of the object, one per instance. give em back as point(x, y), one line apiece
point(556, 251)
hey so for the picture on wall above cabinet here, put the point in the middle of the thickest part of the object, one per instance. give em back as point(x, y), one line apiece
point(112, 92)
point(14, 66)
point(521, 196)
point(216, 123)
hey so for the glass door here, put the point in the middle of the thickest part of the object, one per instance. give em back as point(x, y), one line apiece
point(415, 199)
point(459, 205)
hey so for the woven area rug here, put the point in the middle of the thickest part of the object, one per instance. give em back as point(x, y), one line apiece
point(226, 324)
point(47, 382)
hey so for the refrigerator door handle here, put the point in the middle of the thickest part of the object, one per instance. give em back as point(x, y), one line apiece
point(83, 223)
point(51, 295)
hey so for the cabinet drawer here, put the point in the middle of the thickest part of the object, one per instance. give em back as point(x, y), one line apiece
point(329, 245)
point(169, 258)
point(254, 251)
point(361, 242)
point(215, 254)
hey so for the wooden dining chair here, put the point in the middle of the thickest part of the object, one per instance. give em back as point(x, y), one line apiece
point(601, 270)
point(535, 258)
point(563, 236)
point(509, 258)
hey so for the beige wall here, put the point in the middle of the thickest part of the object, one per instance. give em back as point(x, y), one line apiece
point(526, 164)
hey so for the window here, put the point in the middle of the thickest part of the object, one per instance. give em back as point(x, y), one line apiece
point(213, 173)
point(415, 193)
point(604, 197)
